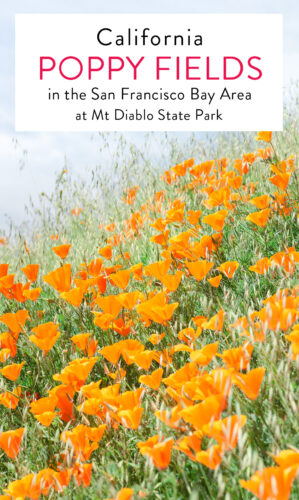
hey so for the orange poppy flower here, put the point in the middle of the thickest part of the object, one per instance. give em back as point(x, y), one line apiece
point(5, 354)
point(82, 474)
point(129, 349)
point(13, 371)
point(175, 214)
point(182, 375)
point(144, 359)
point(273, 483)
point(42, 405)
point(286, 260)
point(62, 250)
point(158, 269)
point(159, 224)
point(118, 375)
point(214, 323)
point(199, 269)
point(103, 320)
point(216, 220)
point(226, 431)
point(32, 294)
point(261, 266)
point(92, 390)
point(172, 281)
point(261, 202)
point(122, 328)
point(216, 198)
point(9, 341)
point(155, 338)
point(259, 218)
point(162, 314)
point(161, 239)
point(6, 280)
point(229, 268)
point(264, 136)
point(112, 269)
point(3, 241)
point(95, 267)
point(279, 314)
point(111, 352)
point(201, 414)
point(203, 168)
point(265, 153)
point(3, 270)
point(180, 348)
point(137, 271)
point(158, 451)
point(110, 227)
point(211, 457)
point(193, 216)
point(180, 242)
point(123, 494)
point(129, 399)
point(109, 304)
point(287, 458)
point(45, 336)
point(64, 395)
point(237, 358)
point(189, 335)
point(250, 382)
point(76, 372)
point(156, 309)
point(10, 442)
point(171, 417)
point(84, 440)
point(101, 283)
point(130, 195)
point(15, 321)
point(31, 272)
point(249, 157)
point(181, 168)
point(293, 337)
point(153, 380)
point(241, 167)
point(106, 252)
point(281, 180)
point(74, 296)
point(204, 355)
point(85, 343)
point(190, 445)
point(46, 418)
point(28, 487)
point(10, 399)
point(60, 279)
point(17, 290)
point(120, 279)
point(199, 320)
point(215, 282)
point(235, 183)
point(131, 417)
point(129, 300)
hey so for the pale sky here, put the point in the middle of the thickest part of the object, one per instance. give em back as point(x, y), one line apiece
point(46, 152)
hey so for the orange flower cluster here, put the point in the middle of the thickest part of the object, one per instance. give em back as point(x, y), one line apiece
point(148, 343)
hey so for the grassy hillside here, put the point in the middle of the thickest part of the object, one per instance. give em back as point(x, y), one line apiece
point(168, 363)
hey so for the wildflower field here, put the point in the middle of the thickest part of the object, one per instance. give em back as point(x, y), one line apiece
point(149, 330)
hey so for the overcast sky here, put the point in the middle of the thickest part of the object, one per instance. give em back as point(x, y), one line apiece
point(46, 152)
